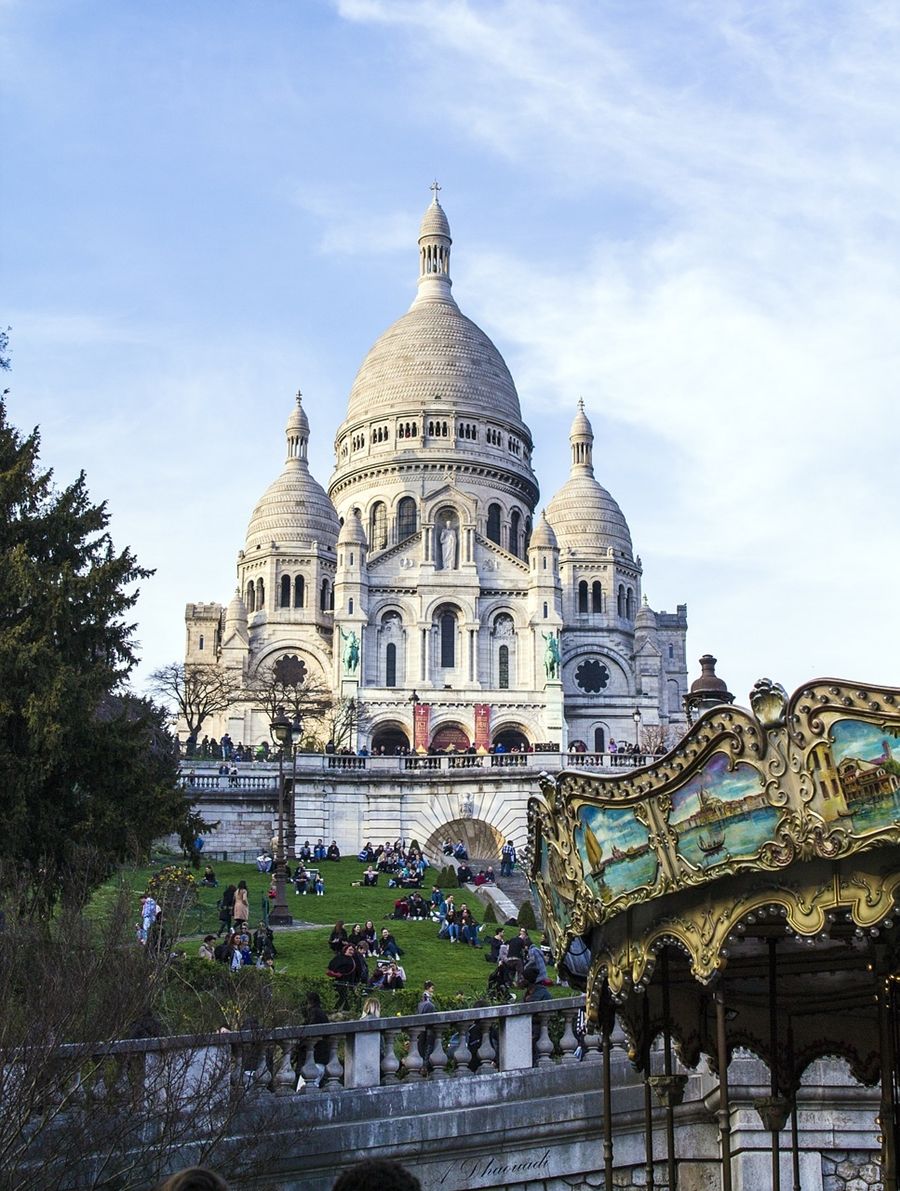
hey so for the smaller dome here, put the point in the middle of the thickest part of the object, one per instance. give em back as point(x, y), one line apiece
point(352, 532)
point(543, 534)
point(646, 618)
point(294, 509)
point(434, 221)
point(237, 610)
point(587, 519)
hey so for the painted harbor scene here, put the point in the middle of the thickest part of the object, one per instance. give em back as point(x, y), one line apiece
point(857, 776)
point(722, 814)
point(615, 851)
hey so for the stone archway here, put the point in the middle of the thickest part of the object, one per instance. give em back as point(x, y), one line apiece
point(482, 841)
point(391, 737)
point(512, 737)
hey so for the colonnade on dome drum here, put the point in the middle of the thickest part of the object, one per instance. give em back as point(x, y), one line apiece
point(738, 898)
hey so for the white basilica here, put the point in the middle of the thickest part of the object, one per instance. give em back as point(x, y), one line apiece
point(424, 584)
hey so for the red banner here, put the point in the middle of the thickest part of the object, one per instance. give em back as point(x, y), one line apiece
point(421, 721)
point(482, 725)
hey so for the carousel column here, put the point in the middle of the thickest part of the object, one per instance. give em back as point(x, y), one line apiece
point(609, 1018)
point(886, 996)
point(648, 1096)
point(724, 1111)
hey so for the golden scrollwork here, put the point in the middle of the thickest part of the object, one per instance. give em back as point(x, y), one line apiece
point(749, 794)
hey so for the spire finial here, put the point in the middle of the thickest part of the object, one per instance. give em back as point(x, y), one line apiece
point(581, 404)
point(434, 188)
point(299, 397)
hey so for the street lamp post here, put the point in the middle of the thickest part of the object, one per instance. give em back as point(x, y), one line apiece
point(282, 731)
point(415, 700)
point(636, 716)
point(351, 707)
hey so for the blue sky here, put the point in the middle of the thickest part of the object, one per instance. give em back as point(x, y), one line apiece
point(684, 213)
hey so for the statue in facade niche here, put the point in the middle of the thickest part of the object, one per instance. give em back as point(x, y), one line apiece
point(552, 656)
point(351, 651)
point(448, 547)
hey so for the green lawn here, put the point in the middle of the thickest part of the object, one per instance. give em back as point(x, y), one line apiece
point(456, 969)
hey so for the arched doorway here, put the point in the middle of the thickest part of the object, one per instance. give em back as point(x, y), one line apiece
point(483, 842)
point(450, 738)
point(390, 737)
point(512, 738)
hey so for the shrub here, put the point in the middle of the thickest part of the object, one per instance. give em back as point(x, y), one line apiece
point(490, 914)
point(526, 916)
point(174, 889)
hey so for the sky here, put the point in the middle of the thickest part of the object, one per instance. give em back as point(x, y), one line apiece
point(684, 213)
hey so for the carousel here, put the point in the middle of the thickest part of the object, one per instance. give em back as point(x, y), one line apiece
point(740, 896)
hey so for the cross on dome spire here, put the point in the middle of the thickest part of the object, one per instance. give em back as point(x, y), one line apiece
point(434, 188)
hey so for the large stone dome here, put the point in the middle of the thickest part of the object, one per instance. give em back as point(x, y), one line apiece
point(434, 350)
point(583, 514)
point(294, 510)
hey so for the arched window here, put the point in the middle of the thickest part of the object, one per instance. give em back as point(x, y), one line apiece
point(251, 596)
point(671, 653)
point(350, 604)
point(407, 519)
point(493, 524)
point(448, 640)
point(629, 604)
point(323, 596)
point(596, 599)
point(285, 601)
point(378, 526)
point(620, 601)
point(299, 592)
point(200, 646)
point(527, 535)
point(515, 524)
point(390, 665)
point(583, 596)
point(260, 594)
point(330, 597)
point(599, 740)
point(546, 610)
point(503, 668)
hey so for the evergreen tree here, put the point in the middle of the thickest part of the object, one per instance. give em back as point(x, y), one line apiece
point(85, 775)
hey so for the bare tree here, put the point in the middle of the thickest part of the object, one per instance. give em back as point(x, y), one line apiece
point(198, 690)
point(654, 739)
point(287, 686)
point(344, 721)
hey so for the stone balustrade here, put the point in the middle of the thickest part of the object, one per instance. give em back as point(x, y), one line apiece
point(263, 775)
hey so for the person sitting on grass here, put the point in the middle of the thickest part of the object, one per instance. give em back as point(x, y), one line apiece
point(418, 907)
point(391, 976)
point(468, 927)
point(401, 908)
point(305, 853)
point(370, 876)
point(339, 937)
point(370, 934)
point(463, 874)
point(334, 852)
point(387, 945)
point(319, 885)
point(264, 941)
point(301, 880)
point(209, 877)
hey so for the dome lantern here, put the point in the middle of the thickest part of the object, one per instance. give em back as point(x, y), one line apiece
point(434, 253)
point(581, 438)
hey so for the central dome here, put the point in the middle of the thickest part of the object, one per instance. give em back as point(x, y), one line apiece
point(434, 351)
